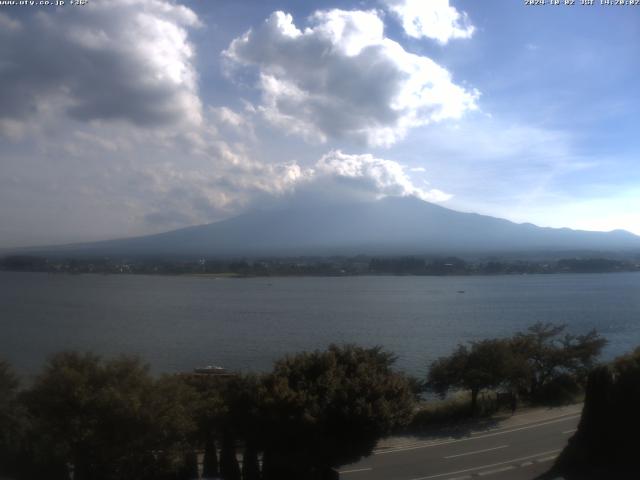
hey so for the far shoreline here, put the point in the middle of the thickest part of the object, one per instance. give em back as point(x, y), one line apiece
point(236, 276)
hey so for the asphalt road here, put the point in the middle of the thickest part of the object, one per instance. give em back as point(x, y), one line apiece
point(521, 451)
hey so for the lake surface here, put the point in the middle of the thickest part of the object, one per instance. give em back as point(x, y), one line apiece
point(178, 323)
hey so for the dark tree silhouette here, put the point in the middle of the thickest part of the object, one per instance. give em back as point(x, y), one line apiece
point(328, 408)
point(210, 460)
point(210, 412)
point(483, 365)
point(229, 467)
point(12, 421)
point(547, 352)
point(250, 464)
point(544, 363)
point(105, 417)
point(189, 468)
point(605, 444)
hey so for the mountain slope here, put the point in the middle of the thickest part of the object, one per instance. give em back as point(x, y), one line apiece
point(392, 226)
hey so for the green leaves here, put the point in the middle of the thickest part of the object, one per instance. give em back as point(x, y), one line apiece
point(107, 417)
point(605, 445)
point(481, 365)
point(526, 362)
point(330, 407)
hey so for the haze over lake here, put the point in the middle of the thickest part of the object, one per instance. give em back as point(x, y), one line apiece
point(178, 323)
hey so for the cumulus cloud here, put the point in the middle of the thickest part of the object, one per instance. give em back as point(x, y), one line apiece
point(9, 24)
point(434, 19)
point(148, 159)
point(118, 143)
point(176, 196)
point(118, 181)
point(339, 177)
point(187, 196)
point(110, 60)
point(341, 77)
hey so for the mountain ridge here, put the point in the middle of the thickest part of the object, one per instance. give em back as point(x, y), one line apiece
point(389, 226)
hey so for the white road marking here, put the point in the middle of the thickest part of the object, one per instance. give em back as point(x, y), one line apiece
point(566, 432)
point(514, 460)
point(477, 451)
point(427, 443)
point(495, 470)
point(568, 410)
point(546, 459)
point(355, 470)
point(447, 442)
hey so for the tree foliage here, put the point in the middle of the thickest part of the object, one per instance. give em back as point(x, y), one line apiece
point(328, 408)
point(107, 418)
point(542, 363)
point(111, 419)
point(545, 352)
point(12, 420)
point(485, 364)
point(605, 444)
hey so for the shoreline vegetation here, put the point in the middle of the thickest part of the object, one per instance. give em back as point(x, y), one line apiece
point(321, 266)
point(605, 444)
point(314, 411)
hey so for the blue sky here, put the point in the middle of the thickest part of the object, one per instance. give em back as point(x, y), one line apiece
point(137, 116)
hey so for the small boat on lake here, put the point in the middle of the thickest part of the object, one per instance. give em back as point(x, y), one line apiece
point(211, 370)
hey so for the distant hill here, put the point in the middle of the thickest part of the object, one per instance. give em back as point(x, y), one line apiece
point(391, 226)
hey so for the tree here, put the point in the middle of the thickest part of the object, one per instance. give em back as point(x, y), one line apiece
point(242, 397)
point(210, 459)
point(229, 467)
point(483, 365)
point(107, 418)
point(250, 464)
point(189, 468)
point(547, 352)
point(605, 444)
point(210, 412)
point(12, 420)
point(226, 411)
point(327, 408)
point(542, 362)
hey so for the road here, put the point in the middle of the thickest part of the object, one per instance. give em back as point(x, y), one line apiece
point(520, 448)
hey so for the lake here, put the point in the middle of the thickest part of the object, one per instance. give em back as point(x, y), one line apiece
point(178, 323)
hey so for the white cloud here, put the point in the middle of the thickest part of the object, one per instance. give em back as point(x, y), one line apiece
point(339, 176)
point(9, 24)
point(232, 123)
point(110, 60)
point(340, 77)
point(92, 183)
point(229, 117)
point(116, 143)
point(434, 19)
point(148, 159)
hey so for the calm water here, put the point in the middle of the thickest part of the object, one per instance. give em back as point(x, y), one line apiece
point(177, 323)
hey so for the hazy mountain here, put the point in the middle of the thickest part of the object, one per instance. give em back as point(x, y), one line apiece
point(393, 226)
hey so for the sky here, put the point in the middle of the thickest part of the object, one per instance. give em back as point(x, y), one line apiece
point(127, 117)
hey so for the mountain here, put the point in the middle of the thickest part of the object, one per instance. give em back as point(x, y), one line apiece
point(393, 226)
